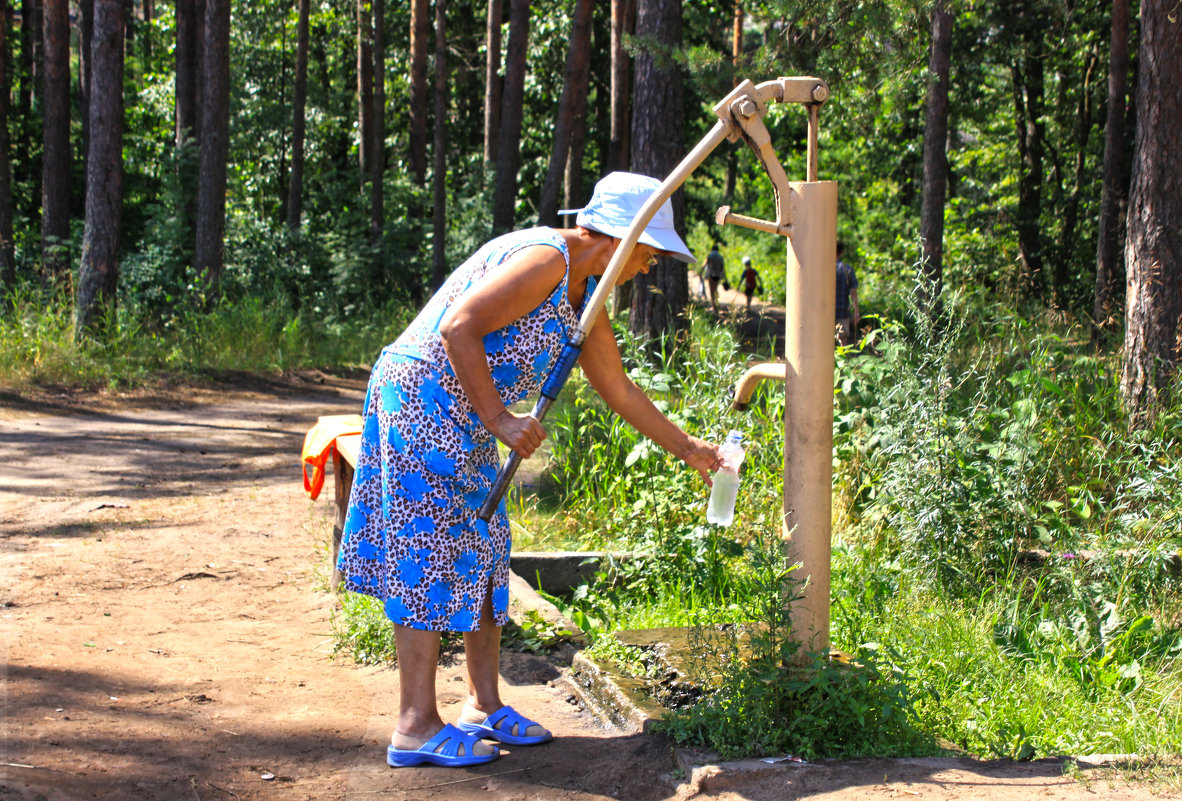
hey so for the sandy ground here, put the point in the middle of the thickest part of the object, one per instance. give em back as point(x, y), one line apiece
point(166, 633)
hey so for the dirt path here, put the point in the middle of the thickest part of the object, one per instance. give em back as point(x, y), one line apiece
point(166, 633)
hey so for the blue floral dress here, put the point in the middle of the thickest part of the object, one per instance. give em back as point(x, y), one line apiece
point(412, 538)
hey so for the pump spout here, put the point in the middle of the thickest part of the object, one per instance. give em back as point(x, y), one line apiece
point(745, 387)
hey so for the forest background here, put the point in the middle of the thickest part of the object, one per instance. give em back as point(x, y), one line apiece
point(161, 159)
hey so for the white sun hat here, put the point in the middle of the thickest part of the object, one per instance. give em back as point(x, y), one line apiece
point(617, 199)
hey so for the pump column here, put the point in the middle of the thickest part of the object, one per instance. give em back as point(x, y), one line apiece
point(808, 408)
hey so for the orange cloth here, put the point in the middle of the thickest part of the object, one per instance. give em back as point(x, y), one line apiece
point(318, 446)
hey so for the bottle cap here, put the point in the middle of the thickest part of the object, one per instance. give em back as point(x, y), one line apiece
point(735, 435)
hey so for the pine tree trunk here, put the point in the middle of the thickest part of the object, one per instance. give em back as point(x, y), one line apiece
point(578, 56)
point(1070, 214)
point(190, 17)
point(736, 64)
point(492, 81)
point(420, 34)
point(190, 36)
point(623, 20)
point(85, 34)
point(1106, 303)
point(215, 127)
point(1028, 87)
point(512, 98)
point(935, 154)
point(659, 297)
point(364, 89)
point(98, 276)
point(30, 60)
point(295, 181)
point(439, 167)
point(377, 149)
point(7, 251)
point(149, 12)
point(574, 162)
point(55, 158)
point(1153, 252)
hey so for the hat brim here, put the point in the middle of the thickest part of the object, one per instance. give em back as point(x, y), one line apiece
point(663, 239)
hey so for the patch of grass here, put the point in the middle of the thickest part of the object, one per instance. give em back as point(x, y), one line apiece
point(362, 630)
point(255, 334)
point(969, 442)
point(1011, 674)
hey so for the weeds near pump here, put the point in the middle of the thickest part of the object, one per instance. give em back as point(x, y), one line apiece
point(1007, 554)
point(765, 696)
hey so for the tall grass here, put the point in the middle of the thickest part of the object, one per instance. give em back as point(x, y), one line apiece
point(38, 343)
point(1008, 549)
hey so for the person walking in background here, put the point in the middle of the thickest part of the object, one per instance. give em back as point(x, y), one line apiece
point(848, 317)
point(750, 280)
point(715, 272)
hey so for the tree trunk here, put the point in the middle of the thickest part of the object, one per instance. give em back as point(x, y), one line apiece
point(1070, 214)
point(377, 150)
point(215, 129)
point(439, 168)
point(7, 251)
point(420, 33)
point(574, 161)
point(148, 13)
point(85, 34)
point(129, 29)
point(98, 276)
point(190, 36)
point(1105, 302)
point(364, 89)
point(623, 20)
point(935, 155)
point(295, 181)
point(1028, 89)
point(29, 169)
point(577, 57)
point(732, 148)
point(512, 98)
point(1153, 252)
point(55, 158)
point(492, 81)
point(659, 297)
point(190, 16)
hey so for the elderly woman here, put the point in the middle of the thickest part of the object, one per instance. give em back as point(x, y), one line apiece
point(436, 404)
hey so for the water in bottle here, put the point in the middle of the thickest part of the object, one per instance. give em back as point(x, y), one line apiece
point(721, 510)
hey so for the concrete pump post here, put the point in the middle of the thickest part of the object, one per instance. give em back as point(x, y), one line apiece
point(808, 408)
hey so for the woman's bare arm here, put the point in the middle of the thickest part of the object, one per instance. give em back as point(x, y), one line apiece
point(513, 290)
point(601, 364)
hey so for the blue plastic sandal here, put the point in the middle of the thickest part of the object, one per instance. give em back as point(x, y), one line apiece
point(442, 749)
point(503, 726)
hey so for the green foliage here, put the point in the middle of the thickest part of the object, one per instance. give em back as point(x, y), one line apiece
point(1007, 561)
point(361, 629)
point(533, 634)
point(256, 334)
point(771, 698)
point(631, 495)
point(1020, 671)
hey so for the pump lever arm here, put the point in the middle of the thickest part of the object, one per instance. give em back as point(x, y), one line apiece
point(744, 110)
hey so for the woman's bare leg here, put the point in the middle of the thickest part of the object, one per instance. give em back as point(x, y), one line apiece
point(483, 651)
point(418, 713)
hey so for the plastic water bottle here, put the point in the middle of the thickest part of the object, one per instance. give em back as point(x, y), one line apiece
point(721, 510)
